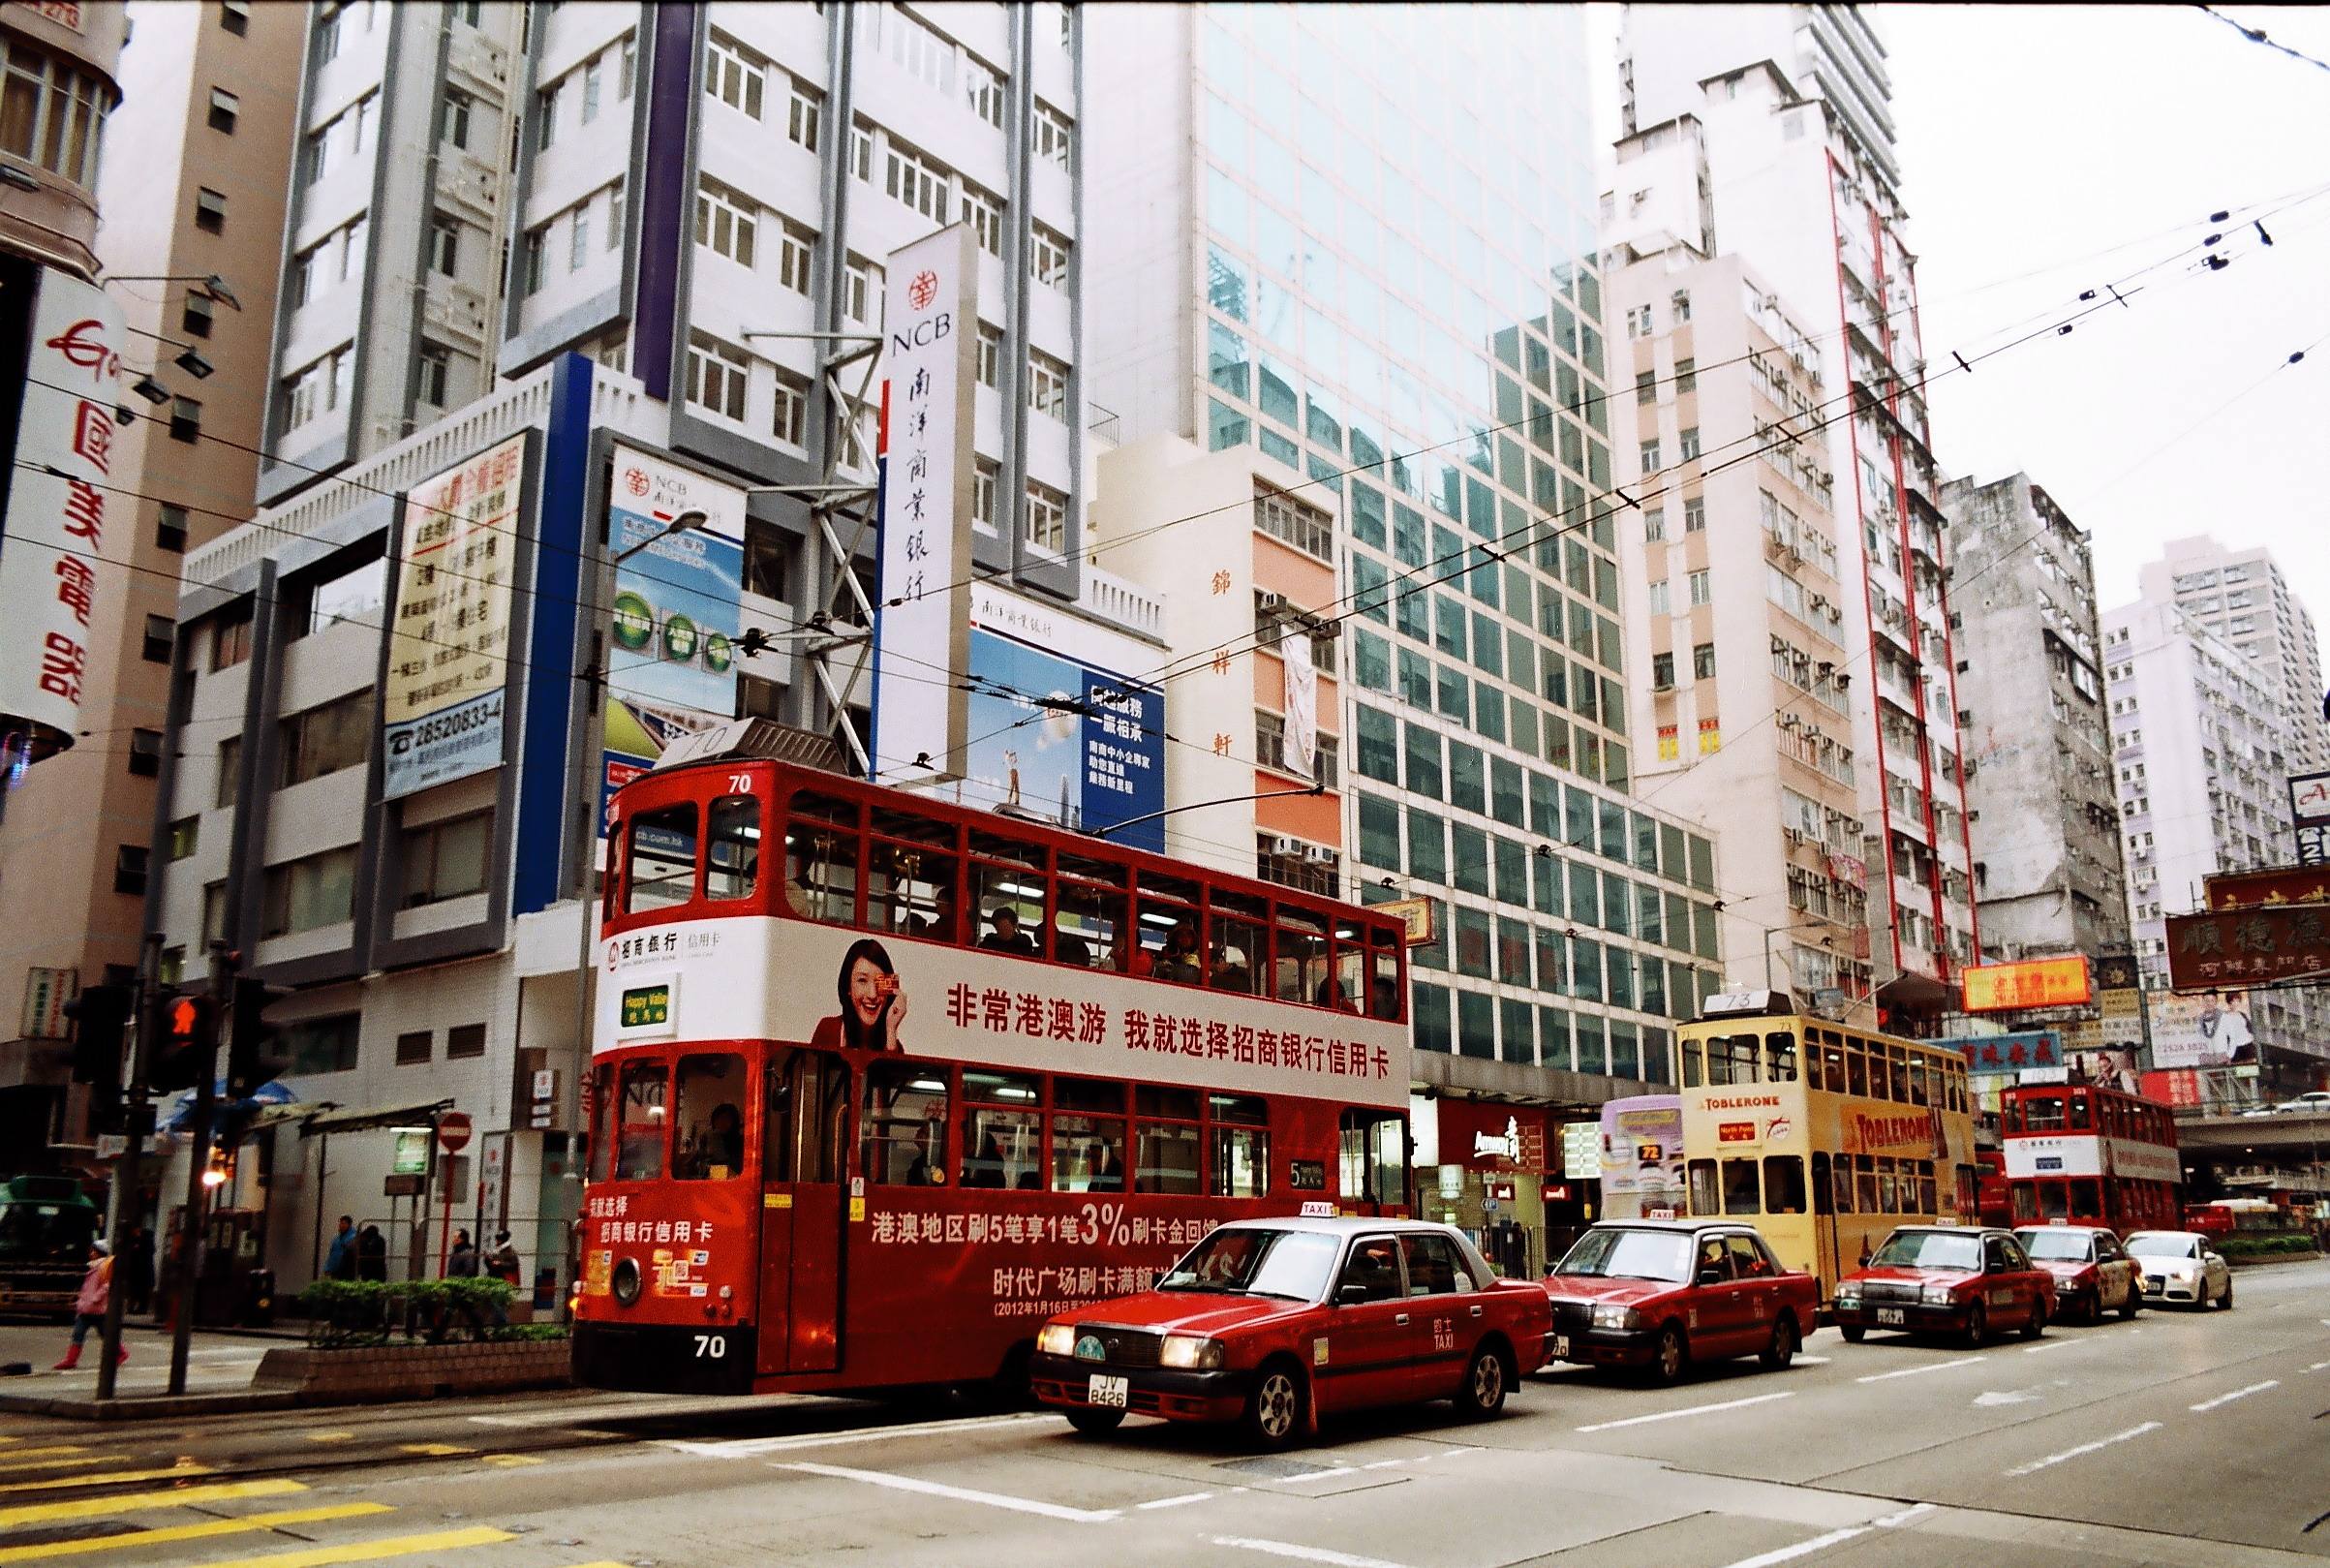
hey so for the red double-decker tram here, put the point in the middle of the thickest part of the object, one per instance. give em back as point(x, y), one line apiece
point(867, 1112)
point(2089, 1155)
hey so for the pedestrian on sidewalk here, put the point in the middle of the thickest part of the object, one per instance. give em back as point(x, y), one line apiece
point(89, 1308)
point(462, 1261)
point(341, 1262)
point(502, 1264)
point(138, 1272)
point(372, 1254)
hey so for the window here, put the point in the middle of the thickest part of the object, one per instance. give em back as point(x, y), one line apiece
point(1166, 1140)
point(615, 217)
point(1650, 456)
point(984, 476)
point(640, 1121)
point(326, 739)
point(1303, 525)
point(983, 91)
point(1681, 304)
point(1646, 386)
point(1687, 446)
point(231, 640)
point(436, 375)
point(861, 150)
point(628, 66)
point(805, 107)
point(1048, 258)
point(161, 632)
point(990, 356)
point(593, 75)
point(983, 210)
point(733, 73)
point(446, 860)
point(445, 246)
point(707, 1128)
point(210, 210)
point(1654, 525)
point(1661, 672)
point(1695, 514)
point(225, 108)
point(196, 315)
point(578, 237)
point(862, 289)
point(453, 118)
point(129, 868)
point(904, 1128)
point(794, 247)
point(790, 424)
point(1055, 134)
point(416, 1046)
point(185, 836)
point(1702, 661)
point(727, 222)
point(307, 894)
point(717, 376)
point(185, 419)
point(918, 180)
point(1240, 1167)
point(1659, 598)
point(1047, 384)
point(236, 17)
point(229, 784)
point(1686, 372)
point(1700, 590)
point(536, 263)
point(1047, 526)
point(320, 1045)
point(1087, 1136)
point(51, 114)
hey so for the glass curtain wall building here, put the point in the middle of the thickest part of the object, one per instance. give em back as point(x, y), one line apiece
point(1359, 272)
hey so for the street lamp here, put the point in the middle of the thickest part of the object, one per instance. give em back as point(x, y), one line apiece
point(210, 284)
point(686, 522)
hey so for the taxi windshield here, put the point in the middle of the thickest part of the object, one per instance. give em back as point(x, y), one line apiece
point(1631, 1254)
point(1930, 1249)
point(2058, 1245)
point(1291, 1263)
point(2161, 1244)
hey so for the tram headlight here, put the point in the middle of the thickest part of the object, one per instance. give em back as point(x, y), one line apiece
point(1057, 1339)
point(1189, 1352)
point(627, 1281)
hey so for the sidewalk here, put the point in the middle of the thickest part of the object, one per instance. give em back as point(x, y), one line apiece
point(219, 1365)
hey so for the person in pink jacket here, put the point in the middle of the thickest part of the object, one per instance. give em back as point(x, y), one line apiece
point(89, 1308)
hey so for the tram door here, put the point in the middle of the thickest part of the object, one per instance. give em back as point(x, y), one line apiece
point(805, 1130)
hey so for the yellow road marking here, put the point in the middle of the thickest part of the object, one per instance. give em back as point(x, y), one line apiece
point(510, 1462)
point(170, 1474)
point(12, 1468)
point(435, 1451)
point(393, 1545)
point(42, 1453)
point(101, 1507)
point(328, 1437)
point(191, 1532)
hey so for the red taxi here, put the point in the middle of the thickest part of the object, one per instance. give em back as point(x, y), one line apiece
point(1945, 1279)
point(1662, 1294)
point(1273, 1323)
point(2093, 1272)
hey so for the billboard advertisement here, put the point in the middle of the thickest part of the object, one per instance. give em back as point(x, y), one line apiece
point(448, 639)
point(2044, 982)
point(1642, 1157)
point(1058, 740)
point(49, 561)
point(673, 620)
point(2284, 943)
point(2209, 1028)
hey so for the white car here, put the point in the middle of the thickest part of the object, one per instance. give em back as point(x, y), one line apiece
point(2315, 1101)
point(2179, 1266)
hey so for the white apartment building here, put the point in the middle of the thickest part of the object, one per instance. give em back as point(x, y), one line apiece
point(2242, 597)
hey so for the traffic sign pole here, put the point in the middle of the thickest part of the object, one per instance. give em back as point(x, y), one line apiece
point(454, 1129)
point(128, 1203)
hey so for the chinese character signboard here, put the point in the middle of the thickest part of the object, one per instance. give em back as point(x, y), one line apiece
point(2045, 982)
point(2260, 889)
point(52, 570)
point(2236, 948)
point(922, 628)
point(2012, 1055)
point(1057, 739)
point(449, 645)
point(671, 642)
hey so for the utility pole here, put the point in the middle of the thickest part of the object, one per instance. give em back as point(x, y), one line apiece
point(129, 1170)
point(190, 1271)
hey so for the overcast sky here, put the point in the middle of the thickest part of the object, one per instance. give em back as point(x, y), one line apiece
point(2032, 139)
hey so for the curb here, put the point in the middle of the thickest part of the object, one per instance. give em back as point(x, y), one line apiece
point(147, 1406)
point(2275, 1259)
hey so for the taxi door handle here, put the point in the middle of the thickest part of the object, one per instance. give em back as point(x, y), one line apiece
point(1476, 1311)
point(1400, 1320)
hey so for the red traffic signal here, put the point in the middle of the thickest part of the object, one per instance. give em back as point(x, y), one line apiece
point(185, 1019)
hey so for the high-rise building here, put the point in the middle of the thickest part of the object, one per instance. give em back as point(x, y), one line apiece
point(1395, 294)
point(2242, 597)
point(1796, 174)
point(2199, 738)
point(2042, 793)
point(1746, 713)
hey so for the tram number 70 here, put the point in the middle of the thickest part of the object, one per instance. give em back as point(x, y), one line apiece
point(711, 1347)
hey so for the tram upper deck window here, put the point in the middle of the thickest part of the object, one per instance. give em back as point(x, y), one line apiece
point(662, 857)
point(821, 859)
point(732, 862)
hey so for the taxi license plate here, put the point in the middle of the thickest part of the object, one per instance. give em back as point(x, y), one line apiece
point(2152, 1285)
point(1561, 1344)
point(1105, 1390)
point(1891, 1317)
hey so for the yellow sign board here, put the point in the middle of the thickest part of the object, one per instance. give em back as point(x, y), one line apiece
point(1417, 915)
point(2043, 982)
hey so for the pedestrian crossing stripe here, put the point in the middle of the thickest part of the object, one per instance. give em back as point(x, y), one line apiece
point(241, 1522)
point(179, 1496)
point(112, 1478)
point(374, 1551)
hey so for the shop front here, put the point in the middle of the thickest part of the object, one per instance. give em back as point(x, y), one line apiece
point(1495, 1170)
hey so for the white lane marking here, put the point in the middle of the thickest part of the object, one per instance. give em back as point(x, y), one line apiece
point(2318, 1365)
point(1317, 1475)
point(1458, 1452)
point(1803, 1549)
point(1920, 1371)
point(1384, 1465)
point(2037, 1465)
point(1690, 1411)
point(2237, 1393)
point(1812, 1361)
point(1894, 1521)
point(1300, 1554)
point(960, 1495)
point(2052, 1344)
point(1174, 1502)
point(745, 1448)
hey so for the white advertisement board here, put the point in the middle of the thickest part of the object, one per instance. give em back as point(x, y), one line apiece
point(52, 575)
point(2087, 1155)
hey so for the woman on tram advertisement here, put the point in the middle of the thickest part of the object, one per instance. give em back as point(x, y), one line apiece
point(873, 1003)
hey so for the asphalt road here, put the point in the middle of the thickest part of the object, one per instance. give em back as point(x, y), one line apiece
point(2181, 1438)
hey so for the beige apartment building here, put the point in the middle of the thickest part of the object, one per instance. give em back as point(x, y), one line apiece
point(1733, 593)
point(196, 157)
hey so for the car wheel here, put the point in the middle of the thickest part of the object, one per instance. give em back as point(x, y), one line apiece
point(1854, 1332)
point(2225, 1301)
point(1094, 1420)
point(1977, 1325)
point(1485, 1384)
point(2091, 1307)
point(1274, 1409)
point(2134, 1300)
point(1783, 1348)
point(1673, 1357)
point(2034, 1322)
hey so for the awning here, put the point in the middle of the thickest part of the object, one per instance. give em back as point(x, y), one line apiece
point(320, 1121)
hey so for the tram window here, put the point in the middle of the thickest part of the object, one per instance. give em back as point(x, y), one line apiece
point(2087, 1200)
point(1889, 1189)
point(732, 857)
point(1384, 990)
point(1088, 1146)
point(1691, 1057)
point(1003, 1129)
point(821, 872)
point(889, 822)
point(1925, 1188)
point(1731, 1058)
point(990, 845)
point(1298, 965)
point(1167, 1157)
point(2053, 1201)
point(663, 859)
point(2042, 1112)
point(639, 1132)
point(1706, 1198)
point(904, 1128)
point(1842, 1169)
point(603, 1107)
point(1351, 969)
point(1864, 1185)
point(1780, 1058)
point(1237, 942)
point(1897, 1061)
point(1373, 1161)
point(1242, 1147)
point(2078, 1108)
point(1090, 922)
point(1832, 1063)
point(913, 890)
point(708, 1118)
point(1742, 1193)
point(1168, 943)
point(804, 1117)
point(1918, 1081)
point(1856, 1069)
point(1007, 903)
point(1783, 1184)
point(1824, 1194)
point(2026, 1202)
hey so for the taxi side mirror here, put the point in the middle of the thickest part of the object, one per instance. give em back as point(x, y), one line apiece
point(1711, 1276)
point(1351, 1295)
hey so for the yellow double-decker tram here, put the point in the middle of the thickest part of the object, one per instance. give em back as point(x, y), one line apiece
point(1824, 1135)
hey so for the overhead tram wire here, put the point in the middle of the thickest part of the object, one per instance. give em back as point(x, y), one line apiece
point(2256, 34)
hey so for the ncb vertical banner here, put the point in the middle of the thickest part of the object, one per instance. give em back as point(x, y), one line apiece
point(922, 627)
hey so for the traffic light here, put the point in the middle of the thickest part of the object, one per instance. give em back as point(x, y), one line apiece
point(101, 1020)
point(184, 1035)
point(248, 1061)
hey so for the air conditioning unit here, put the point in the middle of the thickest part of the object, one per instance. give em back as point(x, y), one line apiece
point(1820, 603)
point(1268, 603)
point(1318, 855)
point(1281, 844)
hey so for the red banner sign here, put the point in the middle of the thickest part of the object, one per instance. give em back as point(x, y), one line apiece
point(2265, 889)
